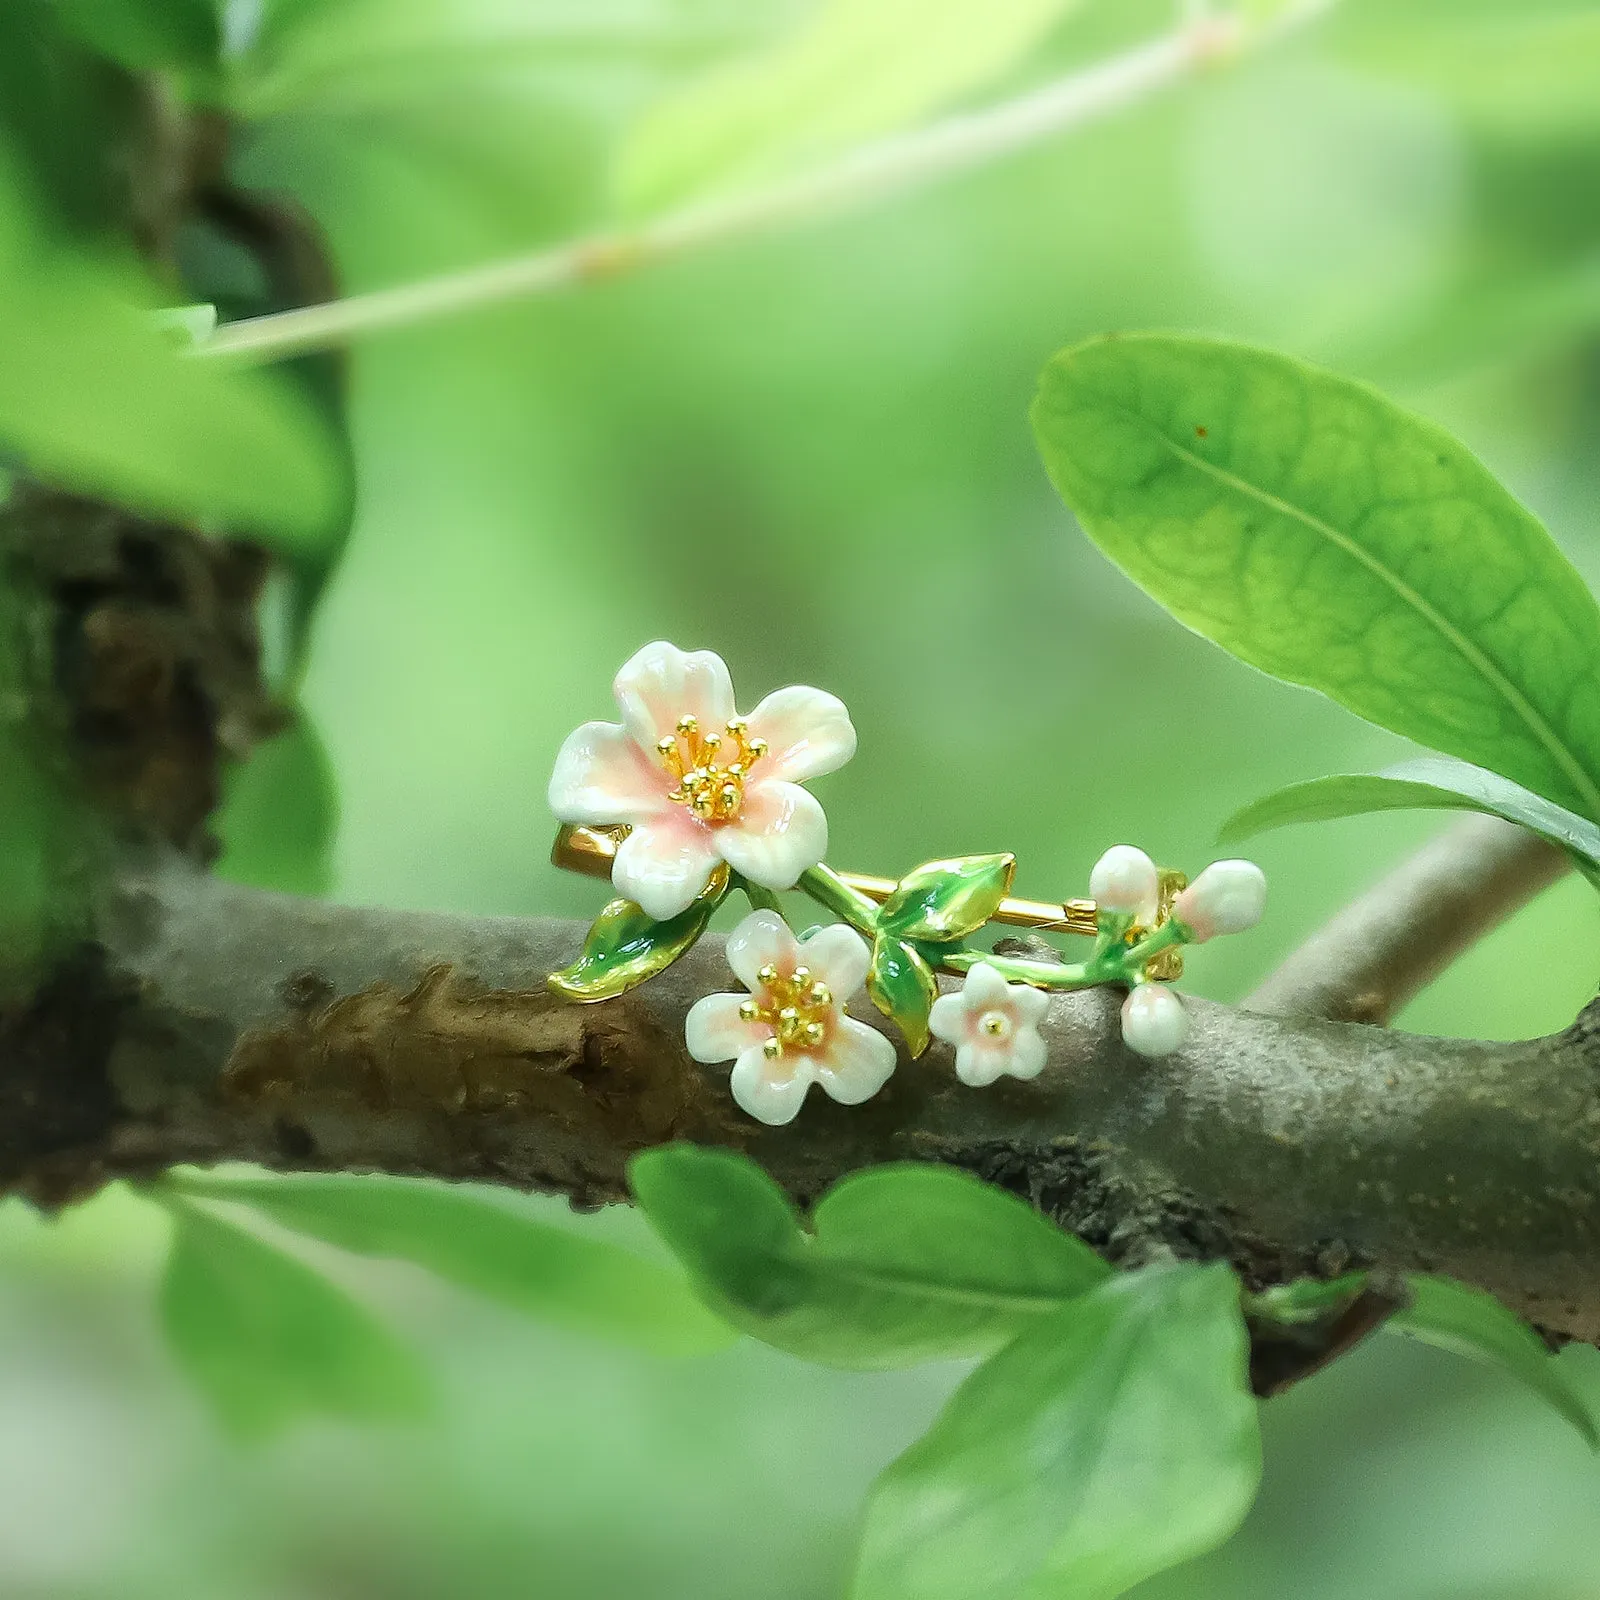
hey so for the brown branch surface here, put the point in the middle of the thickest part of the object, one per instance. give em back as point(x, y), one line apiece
point(1384, 948)
point(223, 1023)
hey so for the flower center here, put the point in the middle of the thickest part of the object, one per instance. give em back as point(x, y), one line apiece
point(795, 1006)
point(996, 1024)
point(714, 791)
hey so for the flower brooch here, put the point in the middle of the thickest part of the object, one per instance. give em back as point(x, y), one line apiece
point(686, 800)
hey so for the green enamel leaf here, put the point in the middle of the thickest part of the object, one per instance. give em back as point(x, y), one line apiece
point(1471, 1323)
point(947, 900)
point(487, 1247)
point(624, 947)
point(1324, 535)
point(1430, 785)
point(903, 988)
point(268, 1341)
point(1110, 1442)
point(906, 1263)
point(858, 68)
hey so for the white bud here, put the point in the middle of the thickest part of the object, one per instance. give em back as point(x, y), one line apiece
point(1124, 880)
point(1228, 897)
point(1154, 1022)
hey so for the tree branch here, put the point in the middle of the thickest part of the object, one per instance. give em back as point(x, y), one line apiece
point(1383, 949)
point(217, 1023)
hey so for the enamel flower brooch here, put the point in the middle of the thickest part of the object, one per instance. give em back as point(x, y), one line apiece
point(685, 801)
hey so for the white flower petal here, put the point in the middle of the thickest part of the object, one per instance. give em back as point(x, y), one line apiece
point(772, 1091)
point(1154, 1022)
point(1030, 1005)
point(1228, 897)
point(601, 775)
point(714, 1030)
point(985, 988)
point(761, 937)
point(839, 956)
point(979, 1064)
point(1124, 879)
point(661, 683)
point(949, 1019)
point(780, 832)
point(855, 1063)
point(1027, 1054)
point(664, 864)
point(808, 732)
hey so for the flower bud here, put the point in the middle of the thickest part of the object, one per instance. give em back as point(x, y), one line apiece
point(1154, 1022)
point(1228, 897)
point(1124, 881)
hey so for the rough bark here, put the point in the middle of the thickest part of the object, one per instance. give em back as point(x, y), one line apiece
point(222, 1023)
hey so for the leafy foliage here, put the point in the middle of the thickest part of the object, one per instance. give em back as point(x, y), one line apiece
point(1323, 534)
point(267, 1340)
point(1427, 785)
point(903, 987)
point(280, 815)
point(946, 900)
point(145, 34)
point(485, 1247)
point(859, 68)
point(905, 1263)
point(1111, 1440)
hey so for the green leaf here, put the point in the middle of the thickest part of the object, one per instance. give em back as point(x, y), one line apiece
point(1110, 1442)
point(1429, 785)
point(857, 69)
point(147, 34)
point(1319, 532)
point(1306, 1299)
point(280, 815)
point(946, 900)
point(1471, 1323)
point(907, 1263)
point(269, 1341)
point(586, 1284)
point(624, 946)
point(903, 987)
point(93, 394)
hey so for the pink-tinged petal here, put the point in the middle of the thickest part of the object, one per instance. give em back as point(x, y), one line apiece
point(949, 1019)
point(664, 864)
point(780, 832)
point(714, 1030)
point(1028, 1053)
point(839, 957)
point(772, 1091)
point(808, 732)
point(661, 683)
point(855, 1062)
point(761, 938)
point(1030, 1005)
point(985, 989)
point(602, 776)
point(980, 1062)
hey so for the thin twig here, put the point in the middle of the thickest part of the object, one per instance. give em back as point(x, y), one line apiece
point(1389, 945)
point(889, 166)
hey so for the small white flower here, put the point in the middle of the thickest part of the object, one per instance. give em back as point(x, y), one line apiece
point(994, 1026)
point(791, 1031)
point(699, 784)
point(1154, 1022)
point(1228, 897)
point(1125, 880)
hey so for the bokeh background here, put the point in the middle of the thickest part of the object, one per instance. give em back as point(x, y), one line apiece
point(809, 451)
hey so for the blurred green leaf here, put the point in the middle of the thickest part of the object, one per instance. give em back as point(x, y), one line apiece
point(147, 34)
point(269, 1341)
point(1427, 785)
point(906, 1263)
point(1321, 533)
point(623, 946)
point(859, 68)
point(280, 814)
point(903, 987)
point(581, 1283)
point(1110, 1442)
point(1471, 1323)
point(93, 394)
point(945, 900)
point(1306, 1299)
